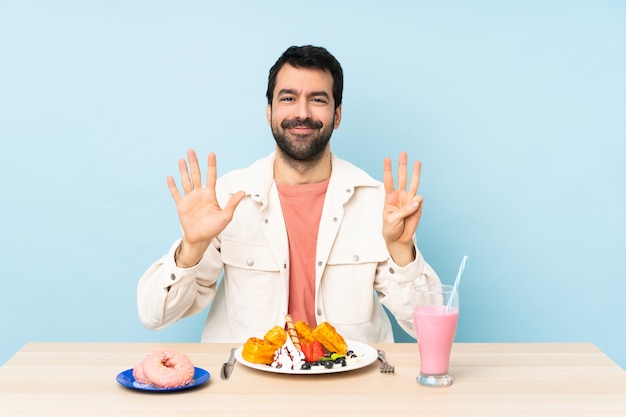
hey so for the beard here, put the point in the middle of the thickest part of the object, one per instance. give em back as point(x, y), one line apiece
point(302, 148)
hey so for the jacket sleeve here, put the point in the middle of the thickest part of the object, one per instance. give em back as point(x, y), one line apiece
point(395, 286)
point(167, 293)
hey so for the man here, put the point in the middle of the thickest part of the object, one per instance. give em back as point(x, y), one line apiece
point(300, 231)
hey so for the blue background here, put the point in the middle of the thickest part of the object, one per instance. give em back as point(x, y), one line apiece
point(516, 109)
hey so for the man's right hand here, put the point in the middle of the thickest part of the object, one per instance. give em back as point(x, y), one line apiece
point(200, 215)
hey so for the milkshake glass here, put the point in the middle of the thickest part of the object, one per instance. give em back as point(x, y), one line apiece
point(435, 317)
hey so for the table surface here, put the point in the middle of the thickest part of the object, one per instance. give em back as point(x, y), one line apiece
point(490, 379)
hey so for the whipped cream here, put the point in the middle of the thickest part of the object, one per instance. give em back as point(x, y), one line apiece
point(354, 358)
point(288, 356)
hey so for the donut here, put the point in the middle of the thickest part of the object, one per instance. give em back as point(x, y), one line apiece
point(139, 375)
point(166, 368)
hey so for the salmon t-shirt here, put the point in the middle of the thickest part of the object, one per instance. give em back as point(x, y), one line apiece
point(302, 209)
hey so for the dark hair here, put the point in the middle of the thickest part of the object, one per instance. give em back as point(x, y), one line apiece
point(308, 56)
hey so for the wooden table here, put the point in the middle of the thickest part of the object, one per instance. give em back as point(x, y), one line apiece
point(78, 379)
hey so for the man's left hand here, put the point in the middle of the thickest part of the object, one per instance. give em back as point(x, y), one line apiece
point(402, 211)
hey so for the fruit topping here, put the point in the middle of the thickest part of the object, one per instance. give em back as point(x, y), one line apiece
point(312, 351)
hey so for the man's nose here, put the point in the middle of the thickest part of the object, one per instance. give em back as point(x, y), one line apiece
point(302, 110)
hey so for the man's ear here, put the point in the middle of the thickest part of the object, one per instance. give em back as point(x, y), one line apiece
point(337, 117)
point(268, 114)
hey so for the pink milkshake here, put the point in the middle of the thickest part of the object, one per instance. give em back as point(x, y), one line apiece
point(435, 329)
point(435, 317)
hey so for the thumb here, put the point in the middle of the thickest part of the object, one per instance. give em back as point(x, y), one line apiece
point(233, 202)
point(414, 204)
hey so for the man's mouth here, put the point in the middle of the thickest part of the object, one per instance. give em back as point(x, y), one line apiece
point(300, 130)
point(300, 126)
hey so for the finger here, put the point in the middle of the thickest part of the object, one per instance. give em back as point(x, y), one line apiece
point(173, 189)
point(415, 178)
point(232, 204)
point(194, 167)
point(408, 213)
point(411, 221)
point(388, 176)
point(416, 203)
point(184, 176)
point(211, 175)
point(402, 171)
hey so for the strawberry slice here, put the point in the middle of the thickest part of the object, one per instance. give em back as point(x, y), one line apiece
point(306, 349)
point(317, 350)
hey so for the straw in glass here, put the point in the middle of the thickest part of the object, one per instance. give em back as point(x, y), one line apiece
point(456, 283)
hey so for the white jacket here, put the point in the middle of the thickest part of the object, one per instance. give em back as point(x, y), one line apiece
point(354, 272)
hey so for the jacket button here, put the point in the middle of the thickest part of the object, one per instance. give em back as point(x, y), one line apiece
point(319, 263)
point(391, 271)
point(172, 277)
point(355, 258)
point(319, 311)
point(250, 262)
point(335, 219)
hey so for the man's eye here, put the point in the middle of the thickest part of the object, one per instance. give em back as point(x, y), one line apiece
point(286, 99)
point(319, 100)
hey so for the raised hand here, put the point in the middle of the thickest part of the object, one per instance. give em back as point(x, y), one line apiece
point(199, 212)
point(402, 211)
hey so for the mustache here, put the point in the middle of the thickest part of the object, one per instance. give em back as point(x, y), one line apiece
point(297, 122)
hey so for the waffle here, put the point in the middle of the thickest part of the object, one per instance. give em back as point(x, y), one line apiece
point(330, 339)
point(305, 332)
point(257, 350)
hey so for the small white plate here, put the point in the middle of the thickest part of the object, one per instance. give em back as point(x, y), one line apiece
point(369, 357)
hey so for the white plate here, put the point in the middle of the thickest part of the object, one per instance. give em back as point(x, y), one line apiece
point(369, 357)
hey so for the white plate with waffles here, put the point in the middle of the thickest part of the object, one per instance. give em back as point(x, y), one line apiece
point(366, 353)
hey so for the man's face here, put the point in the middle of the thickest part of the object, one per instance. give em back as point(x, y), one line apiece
point(302, 114)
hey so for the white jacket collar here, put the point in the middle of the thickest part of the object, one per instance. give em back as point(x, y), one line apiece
point(257, 179)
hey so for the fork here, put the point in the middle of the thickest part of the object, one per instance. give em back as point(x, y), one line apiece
point(386, 367)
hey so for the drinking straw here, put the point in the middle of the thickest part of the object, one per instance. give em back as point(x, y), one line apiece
point(456, 283)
